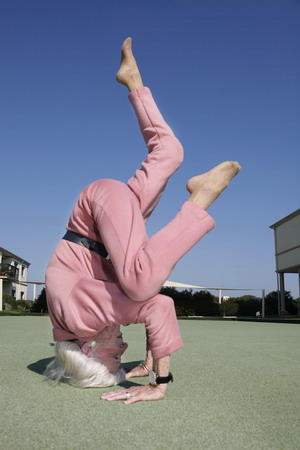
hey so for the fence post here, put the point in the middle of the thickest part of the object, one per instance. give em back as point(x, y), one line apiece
point(263, 310)
point(34, 292)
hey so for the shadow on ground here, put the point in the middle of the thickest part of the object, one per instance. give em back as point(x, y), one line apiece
point(39, 366)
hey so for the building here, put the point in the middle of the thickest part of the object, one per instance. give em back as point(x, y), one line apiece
point(13, 276)
point(287, 250)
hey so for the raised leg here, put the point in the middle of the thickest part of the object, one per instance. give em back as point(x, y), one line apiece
point(142, 264)
point(165, 152)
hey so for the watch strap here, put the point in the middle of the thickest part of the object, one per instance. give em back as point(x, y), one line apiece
point(156, 379)
point(163, 380)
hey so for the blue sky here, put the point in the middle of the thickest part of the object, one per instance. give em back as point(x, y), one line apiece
point(225, 74)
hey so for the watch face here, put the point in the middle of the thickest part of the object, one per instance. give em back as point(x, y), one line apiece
point(152, 377)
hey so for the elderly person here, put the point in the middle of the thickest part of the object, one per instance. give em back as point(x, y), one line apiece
point(107, 272)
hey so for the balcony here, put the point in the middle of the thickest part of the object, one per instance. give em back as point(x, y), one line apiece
point(9, 271)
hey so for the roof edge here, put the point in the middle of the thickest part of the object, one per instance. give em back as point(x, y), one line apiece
point(285, 219)
point(8, 253)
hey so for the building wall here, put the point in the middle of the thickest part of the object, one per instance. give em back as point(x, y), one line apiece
point(287, 238)
point(1, 294)
point(288, 260)
point(15, 288)
point(288, 234)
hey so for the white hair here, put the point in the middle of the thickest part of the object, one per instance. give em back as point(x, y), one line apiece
point(71, 366)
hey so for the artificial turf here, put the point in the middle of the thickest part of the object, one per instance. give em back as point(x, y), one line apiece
point(236, 386)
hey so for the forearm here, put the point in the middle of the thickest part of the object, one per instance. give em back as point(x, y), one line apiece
point(148, 363)
point(162, 368)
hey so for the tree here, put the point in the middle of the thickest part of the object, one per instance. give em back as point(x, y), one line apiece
point(24, 305)
point(40, 305)
point(204, 304)
point(272, 303)
point(229, 307)
point(182, 300)
point(9, 302)
point(187, 303)
point(248, 306)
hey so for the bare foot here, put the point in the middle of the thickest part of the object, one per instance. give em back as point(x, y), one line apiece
point(129, 74)
point(206, 188)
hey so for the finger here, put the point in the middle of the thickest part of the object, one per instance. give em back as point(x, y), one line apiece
point(137, 372)
point(108, 394)
point(119, 394)
point(113, 394)
point(130, 372)
point(130, 375)
point(132, 400)
point(144, 395)
point(133, 374)
point(113, 399)
point(137, 395)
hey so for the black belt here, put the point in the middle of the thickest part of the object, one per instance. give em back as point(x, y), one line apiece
point(87, 243)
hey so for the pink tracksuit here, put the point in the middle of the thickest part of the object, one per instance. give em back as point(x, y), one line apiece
point(86, 293)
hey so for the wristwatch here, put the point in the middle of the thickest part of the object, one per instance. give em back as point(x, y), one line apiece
point(154, 379)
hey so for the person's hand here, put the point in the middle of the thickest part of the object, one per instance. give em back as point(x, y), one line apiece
point(137, 394)
point(137, 371)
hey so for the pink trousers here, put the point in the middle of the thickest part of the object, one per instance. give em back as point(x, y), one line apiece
point(85, 293)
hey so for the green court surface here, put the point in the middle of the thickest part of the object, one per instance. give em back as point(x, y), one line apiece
point(236, 386)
